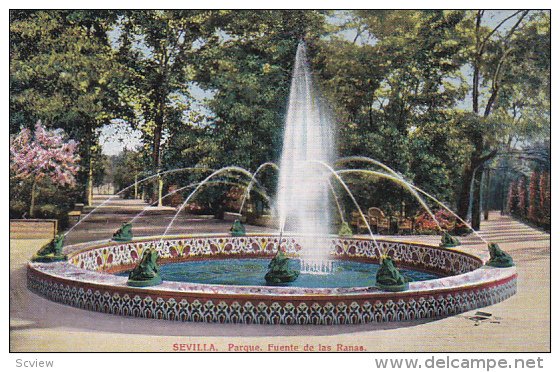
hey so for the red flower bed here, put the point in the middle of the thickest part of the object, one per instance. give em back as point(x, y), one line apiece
point(425, 224)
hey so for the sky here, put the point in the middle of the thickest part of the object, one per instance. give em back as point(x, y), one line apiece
point(115, 137)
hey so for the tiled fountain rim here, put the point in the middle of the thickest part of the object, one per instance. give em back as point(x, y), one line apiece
point(78, 248)
point(66, 283)
point(264, 245)
point(69, 273)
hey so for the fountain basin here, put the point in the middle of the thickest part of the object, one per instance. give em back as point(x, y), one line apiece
point(252, 271)
point(87, 281)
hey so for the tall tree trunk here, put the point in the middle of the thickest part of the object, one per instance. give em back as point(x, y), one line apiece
point(495, 89)
point(87, 164)
point(32, 204)
point(475, 220)
point(477, 160)
point(468, 173)
point(89, 188)
point(475, 165)
point(477, 61)
point(157, 145)
point(486, 194)
point(156, 150)
point(465, 192)
point(136, 185)
point(503, 193)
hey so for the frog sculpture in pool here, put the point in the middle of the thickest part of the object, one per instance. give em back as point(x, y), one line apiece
point(388, 277)
point(278, 270)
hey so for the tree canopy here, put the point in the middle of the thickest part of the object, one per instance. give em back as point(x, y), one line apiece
point(441, 96)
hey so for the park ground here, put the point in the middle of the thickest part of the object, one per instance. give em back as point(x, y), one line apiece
point(520, 324)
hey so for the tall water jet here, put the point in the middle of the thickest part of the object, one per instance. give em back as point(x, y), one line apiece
point(303, 189)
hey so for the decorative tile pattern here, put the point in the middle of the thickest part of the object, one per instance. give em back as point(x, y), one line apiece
point(83, 282)
point(253, 311)
point(426, 257)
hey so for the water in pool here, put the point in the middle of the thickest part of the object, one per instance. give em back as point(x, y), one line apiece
point(252, 271)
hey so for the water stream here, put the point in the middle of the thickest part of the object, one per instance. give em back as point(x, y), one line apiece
point(402, 183)
point(303, 191)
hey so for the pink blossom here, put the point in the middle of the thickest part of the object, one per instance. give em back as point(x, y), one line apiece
point(44, 154)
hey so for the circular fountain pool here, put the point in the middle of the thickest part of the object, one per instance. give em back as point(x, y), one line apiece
point(89, 281)
point(251, 271)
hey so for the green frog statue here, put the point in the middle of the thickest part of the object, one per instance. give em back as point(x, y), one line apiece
point(345, 231)
point(146, 273)
point(389, 278)
point(237, 229)
point(278, 270)
point(124, 233)
point(448, 241)
point(51, 252)
point(498, 258)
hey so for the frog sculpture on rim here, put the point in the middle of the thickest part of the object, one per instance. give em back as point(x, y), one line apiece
point(237, 229)
point(448, 241)
point(146, 273)
point(498, 258)
point(124, 233)
point(51, 252)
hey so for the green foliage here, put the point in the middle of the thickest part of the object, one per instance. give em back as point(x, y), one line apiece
point(525, 100)
point(157, 47)
point(400, 90)
point(63, 71)
point(248, 65)
point(395, 97)
point(126, 167)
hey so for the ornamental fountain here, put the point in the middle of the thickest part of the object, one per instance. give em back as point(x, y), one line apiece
point(303, 187)
point(300, 275)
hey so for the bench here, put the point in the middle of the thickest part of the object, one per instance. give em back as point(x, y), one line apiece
point(33, 229)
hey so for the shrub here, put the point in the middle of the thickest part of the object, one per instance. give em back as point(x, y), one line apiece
point(522, 197)
point(17, 208)
point(544, 199)
point(512, 204)
point(47, 211)
point(533, 213)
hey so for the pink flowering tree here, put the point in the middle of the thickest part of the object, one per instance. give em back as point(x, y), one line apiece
point(43, 154)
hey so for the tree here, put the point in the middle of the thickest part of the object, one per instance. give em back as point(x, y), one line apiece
point(158, 45)
point(493, 58)
point(395, 87)
point(247, 65)
point(42, 154)
point(63, 71)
